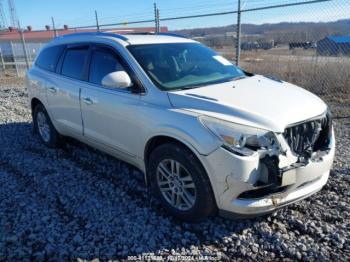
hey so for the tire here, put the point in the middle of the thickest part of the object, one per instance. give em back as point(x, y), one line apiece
point(44, 128)
point(196, 201)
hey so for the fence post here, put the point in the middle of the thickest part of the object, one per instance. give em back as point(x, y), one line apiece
point(24, 48)
point(238, 35)
point(97, 24)
point(14, 58)
point(158, 22)
point(155, 18)
point(2, 61)
point(54, 27)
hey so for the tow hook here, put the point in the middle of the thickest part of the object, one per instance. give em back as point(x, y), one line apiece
point(275, 200)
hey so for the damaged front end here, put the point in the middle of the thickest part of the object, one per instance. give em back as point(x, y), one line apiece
point(256, 171)
point(299, 145)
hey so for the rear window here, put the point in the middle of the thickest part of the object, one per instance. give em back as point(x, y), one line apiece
point(48, 58)
point(74, 62)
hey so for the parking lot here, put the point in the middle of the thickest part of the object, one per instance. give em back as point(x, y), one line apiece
point(76, 202)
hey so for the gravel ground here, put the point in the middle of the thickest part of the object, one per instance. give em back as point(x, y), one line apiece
point(79, 203)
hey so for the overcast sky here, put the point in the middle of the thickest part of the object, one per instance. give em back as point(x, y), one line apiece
point(81, 12)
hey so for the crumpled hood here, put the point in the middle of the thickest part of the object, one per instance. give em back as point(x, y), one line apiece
point(255, 101)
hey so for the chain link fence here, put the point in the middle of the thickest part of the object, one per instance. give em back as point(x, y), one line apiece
point(13, 57)
point(313, 55)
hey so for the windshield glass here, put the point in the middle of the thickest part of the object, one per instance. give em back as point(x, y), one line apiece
point(183, 65)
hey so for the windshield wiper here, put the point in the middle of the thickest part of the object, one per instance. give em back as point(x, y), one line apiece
point(188, 87)
point(212, 83)
point(237, 78)
point(231, 79)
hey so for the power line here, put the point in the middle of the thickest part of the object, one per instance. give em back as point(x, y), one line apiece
point(3, 23)
point(13, 13)
point(278, 4)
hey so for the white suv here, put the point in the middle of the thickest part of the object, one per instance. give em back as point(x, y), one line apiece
point(208, 136)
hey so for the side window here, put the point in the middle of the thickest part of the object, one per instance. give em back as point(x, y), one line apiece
point(74, 62)
point(48, 58)
point(103, 62)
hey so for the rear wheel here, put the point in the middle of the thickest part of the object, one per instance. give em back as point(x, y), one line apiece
point(44, 128)
point(180, 183)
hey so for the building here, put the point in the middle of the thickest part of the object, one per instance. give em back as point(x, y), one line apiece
point(334, 46)
point(303, 45)
point(260, 44)
point(10, 41)
point(46, 35)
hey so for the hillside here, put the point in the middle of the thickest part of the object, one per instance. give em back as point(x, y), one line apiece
point(281, 32)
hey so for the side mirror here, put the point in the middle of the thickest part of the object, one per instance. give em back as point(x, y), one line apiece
point(118, 79)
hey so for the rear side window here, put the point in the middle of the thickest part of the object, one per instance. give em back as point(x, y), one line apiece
point(74, 62)
point(48, 58)
point(103, 62)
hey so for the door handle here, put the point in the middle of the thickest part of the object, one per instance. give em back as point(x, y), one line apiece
point(53, 89)
point(88, 101)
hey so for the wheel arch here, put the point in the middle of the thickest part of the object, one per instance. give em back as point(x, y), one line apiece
point(34, 102)
point(158, 140)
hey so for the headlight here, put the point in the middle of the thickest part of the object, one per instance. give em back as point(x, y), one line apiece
point(238, 138)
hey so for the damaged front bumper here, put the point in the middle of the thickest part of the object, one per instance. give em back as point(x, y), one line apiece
point(247, 186)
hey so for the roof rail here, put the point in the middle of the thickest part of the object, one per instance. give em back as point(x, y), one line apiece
point(173, 34)
point(140, 33)
point(97, 34)
point(153, 33)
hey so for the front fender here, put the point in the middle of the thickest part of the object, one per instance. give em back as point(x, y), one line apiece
point(186, 128)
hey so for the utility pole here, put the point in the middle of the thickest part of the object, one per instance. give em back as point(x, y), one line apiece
point(97, 24)
point(54, 27)
point(23, 45)
point(238, 34)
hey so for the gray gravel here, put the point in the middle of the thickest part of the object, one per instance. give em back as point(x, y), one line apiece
point(79, 203)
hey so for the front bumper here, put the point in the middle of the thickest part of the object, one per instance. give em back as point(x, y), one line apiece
point(231, 175)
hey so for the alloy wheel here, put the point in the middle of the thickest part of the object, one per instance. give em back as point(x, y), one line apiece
point(176, 184)
point(43, 126)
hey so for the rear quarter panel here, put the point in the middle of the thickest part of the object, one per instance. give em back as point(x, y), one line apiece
point(36, 87)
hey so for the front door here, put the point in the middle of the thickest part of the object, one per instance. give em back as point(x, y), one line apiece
point(109, 113)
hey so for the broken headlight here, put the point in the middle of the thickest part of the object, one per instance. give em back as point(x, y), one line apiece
point(240, 139)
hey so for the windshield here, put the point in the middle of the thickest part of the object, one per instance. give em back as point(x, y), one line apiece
point(183, 65)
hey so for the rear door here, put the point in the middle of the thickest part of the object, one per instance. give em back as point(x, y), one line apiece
point(64, 93)
point(109, 114)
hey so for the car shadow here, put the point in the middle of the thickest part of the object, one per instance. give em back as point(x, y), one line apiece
point(77, 202)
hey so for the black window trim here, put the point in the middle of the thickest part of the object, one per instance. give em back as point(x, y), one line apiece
point(137, 87)
point(63, 56)
point(63, 46)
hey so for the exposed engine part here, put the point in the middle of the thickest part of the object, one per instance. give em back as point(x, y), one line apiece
point(306, 138)
point(273, 172)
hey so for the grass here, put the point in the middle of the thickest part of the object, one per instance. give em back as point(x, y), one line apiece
point(327, 77)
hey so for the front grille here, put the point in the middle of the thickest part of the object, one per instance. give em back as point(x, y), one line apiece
point(308, 137)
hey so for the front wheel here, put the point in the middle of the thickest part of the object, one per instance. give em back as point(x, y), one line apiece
point(180, 183)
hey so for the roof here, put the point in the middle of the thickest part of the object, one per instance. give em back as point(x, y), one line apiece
point(124, 39)
point(35, 36)
point(339, 39)
point(156, 39)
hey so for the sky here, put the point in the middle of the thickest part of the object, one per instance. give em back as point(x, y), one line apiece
point(38, 13)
